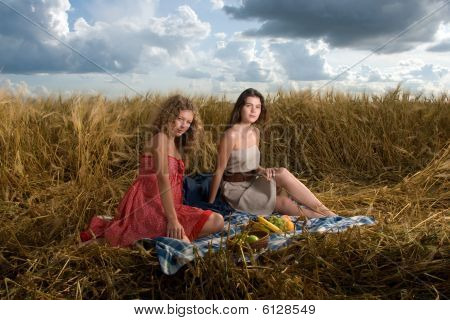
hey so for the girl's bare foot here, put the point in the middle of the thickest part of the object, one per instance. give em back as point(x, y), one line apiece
point(322, 209)
point(308, 213)
point(99, 241)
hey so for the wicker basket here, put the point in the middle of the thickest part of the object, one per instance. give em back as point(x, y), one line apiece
point(263, 239)
point(239, 240)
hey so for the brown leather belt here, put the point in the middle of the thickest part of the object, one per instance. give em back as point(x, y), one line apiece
point(239, 176)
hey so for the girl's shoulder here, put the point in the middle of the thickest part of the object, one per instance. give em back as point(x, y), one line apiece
point(159, 136)
point(229, 137)
point(158, 140)
point(256, 130)
point(230, 133)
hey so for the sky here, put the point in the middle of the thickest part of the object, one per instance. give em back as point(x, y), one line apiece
point(221, 47)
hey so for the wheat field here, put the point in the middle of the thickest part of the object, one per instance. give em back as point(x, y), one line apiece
point(65, 159)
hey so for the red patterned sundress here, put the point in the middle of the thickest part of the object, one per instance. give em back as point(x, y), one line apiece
point(141, 214)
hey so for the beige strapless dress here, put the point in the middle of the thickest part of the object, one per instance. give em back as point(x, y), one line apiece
point(256, 196)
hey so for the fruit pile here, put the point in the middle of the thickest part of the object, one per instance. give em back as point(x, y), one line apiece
point(278, 224)
point(256, 233)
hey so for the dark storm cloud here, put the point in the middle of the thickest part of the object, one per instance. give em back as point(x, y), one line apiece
point(359, 24)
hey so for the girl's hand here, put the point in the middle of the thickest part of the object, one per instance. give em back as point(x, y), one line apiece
point(269, 173)
point(175, 230)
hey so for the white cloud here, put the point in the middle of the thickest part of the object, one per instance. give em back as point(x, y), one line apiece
point(153, 56)
point(217, 4)
point(57, 16)
point(367, 73)
point(243, 61)
point(178, 50)
point(247, 60)
point(184, 24)
point(237, 50)
point(116, 46)
point(120, 11)
point(299, 63)
point(253, 72)
point(441, 39)
point(412, 74)
point(425, 87)
point(19, 88)
point(220, 35)
point(22, 88)
point(429, 73)
point(410, 63)
point(41, 91)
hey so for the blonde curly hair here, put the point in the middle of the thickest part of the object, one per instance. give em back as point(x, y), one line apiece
point(169, 111)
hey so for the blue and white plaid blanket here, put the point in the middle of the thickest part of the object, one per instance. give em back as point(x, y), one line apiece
point(173, 253)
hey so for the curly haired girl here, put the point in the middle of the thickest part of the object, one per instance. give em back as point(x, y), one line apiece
point(152, 206)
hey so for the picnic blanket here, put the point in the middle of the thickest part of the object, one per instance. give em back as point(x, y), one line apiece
point(174, 253)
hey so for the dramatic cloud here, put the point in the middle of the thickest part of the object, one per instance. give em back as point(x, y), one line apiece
point(278, 44)
point(359, 24)
point(299, 63)
point(249, 60)
point(241, 59)
point(119, 46)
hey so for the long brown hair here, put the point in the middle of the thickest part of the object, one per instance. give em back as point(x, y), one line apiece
point(240, 102)
point(169, 111)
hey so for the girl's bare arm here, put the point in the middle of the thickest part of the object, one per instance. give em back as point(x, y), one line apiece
point(259, 170)
point(160, 156)
point(223, 154)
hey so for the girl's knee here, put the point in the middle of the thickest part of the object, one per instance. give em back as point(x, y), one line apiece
point(218, 221)
point(281, 171)
point(285, 205)
point(283, 201)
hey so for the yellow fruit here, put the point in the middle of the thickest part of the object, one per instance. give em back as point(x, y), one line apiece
point(269, 225)
point(288, 224)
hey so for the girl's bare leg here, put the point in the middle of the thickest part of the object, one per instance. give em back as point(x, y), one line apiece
point(284, 205)
point(300, 192)
point(213, 224)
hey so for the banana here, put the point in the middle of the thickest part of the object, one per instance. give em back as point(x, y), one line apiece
point(269, 225)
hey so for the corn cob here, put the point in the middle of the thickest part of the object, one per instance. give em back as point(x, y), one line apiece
point(257, 226)
point(269, 225)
